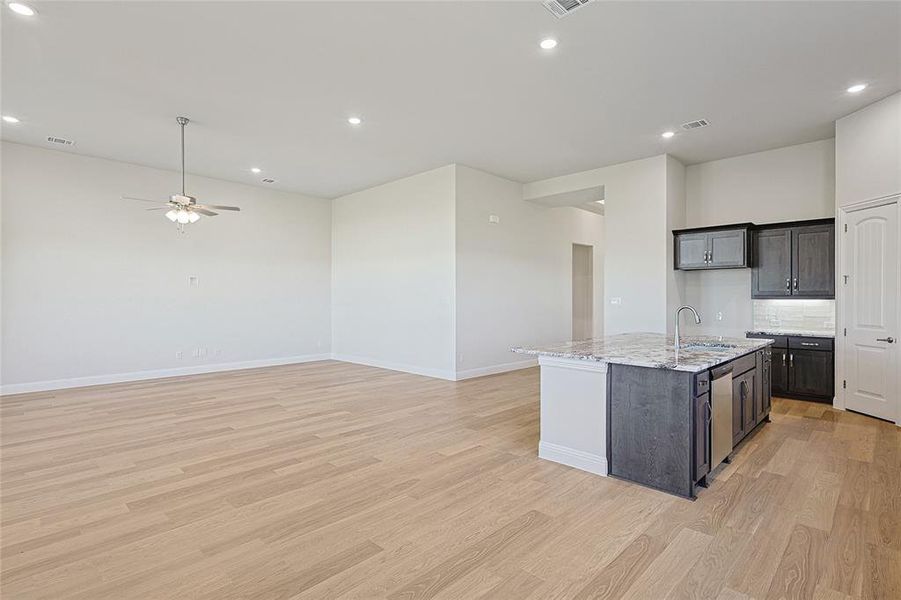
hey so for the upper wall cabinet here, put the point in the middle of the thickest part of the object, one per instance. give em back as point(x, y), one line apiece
point(794, 260)
point(712, 247)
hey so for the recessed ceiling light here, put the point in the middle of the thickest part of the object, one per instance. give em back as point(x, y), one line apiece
point(256, 170)
point(855, 89)
point(10, 119)
point(22, 9)
point(599, 201)
point(354, 120)
point(667, 134)
point(548, 44)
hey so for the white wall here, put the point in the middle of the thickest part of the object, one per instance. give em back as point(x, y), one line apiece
point(868, 152)
point(785, 184)
point(636, 239)
point(675, 219)
point(514, 278)
point(96, 287)
point(393, 275)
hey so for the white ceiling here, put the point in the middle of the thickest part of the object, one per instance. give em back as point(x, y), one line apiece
point(271, 84)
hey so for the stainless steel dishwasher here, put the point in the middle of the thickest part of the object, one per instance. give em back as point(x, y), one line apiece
point(721, 423)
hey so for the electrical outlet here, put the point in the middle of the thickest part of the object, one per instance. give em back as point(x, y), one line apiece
point(179, 354)
point(494, 219)
point(193, 281)
point(616, 300)
point(719, 316)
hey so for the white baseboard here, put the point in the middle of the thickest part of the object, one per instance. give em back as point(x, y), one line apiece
point(392, 366)
point(75, 382)
point(60, 384)
point(584, 461)
point(494, 369)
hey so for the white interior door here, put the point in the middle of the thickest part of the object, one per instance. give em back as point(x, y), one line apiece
point(871, 311)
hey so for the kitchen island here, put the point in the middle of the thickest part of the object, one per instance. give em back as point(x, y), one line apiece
point(632, 406)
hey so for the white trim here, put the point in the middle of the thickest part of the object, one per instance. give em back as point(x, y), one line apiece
point(404, 368)
point(573, 363)
point(578, 459)
point(494, 369)
point(872, 203)
point(75, 382)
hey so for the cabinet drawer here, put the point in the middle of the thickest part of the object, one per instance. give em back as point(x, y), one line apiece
point(745, 363)
point(810, 343)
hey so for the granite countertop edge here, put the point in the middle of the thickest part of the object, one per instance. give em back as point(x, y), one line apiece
point(649, 351)
point(792, 333)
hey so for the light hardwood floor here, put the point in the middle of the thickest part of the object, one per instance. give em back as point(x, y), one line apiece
point(329, 480)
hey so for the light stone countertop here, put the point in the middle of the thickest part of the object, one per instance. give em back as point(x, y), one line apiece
point(793, 332)
point(653, 350)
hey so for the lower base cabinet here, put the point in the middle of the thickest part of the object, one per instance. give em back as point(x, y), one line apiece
point(802, 367)
point(811, 373)
point(751, 395)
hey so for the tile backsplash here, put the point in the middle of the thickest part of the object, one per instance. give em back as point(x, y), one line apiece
point(816, 316)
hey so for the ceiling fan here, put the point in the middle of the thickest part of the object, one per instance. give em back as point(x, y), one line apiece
point(183, 209)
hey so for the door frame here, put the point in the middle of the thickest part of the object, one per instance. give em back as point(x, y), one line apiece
point(840, 270)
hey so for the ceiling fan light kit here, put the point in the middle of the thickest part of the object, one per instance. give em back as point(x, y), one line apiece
point(183, 209)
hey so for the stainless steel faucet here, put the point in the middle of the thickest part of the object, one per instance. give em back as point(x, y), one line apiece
point(676, 342)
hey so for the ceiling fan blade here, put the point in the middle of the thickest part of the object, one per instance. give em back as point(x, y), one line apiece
point(203, 211)
point(158, 208)
point(220, 207)
point(145, 200)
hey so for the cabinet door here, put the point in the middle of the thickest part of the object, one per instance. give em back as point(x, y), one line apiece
point(813, 261)
point(762, 401)
point(691, 251)
point(771, 274)
point(702, 435)
point(779, 371)
point(749, 413)
point(738, 421)
point(728, 248)
point(811, 372)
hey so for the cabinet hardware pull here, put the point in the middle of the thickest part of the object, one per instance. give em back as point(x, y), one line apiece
point(796, 283)
point(791, 360)
point(788, 284)
point(811, 343)
point(783, 359)
point(889, 339)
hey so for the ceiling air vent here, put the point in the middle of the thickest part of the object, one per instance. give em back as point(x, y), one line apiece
point(561, 8)
point(267, 180)
point(696, 124)
point(61, 141)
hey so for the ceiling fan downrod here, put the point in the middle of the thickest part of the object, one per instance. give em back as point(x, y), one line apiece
point(182, 121)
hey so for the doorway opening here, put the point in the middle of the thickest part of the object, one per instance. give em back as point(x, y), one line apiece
point(583, 292)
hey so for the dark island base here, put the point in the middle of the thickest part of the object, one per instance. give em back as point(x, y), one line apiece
point(659, 422)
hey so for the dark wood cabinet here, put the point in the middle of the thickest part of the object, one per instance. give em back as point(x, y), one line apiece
point(796, 261)
point(702, 436)
point(771, 276)
point(813, 261)
point(803, 367)
point(728, 249)
point(763, 392)
point(811, 373)
point(691, 251)
point(712, 247)
point(779, 371)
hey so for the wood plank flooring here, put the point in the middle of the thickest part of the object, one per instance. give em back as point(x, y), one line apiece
point(330, 480)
